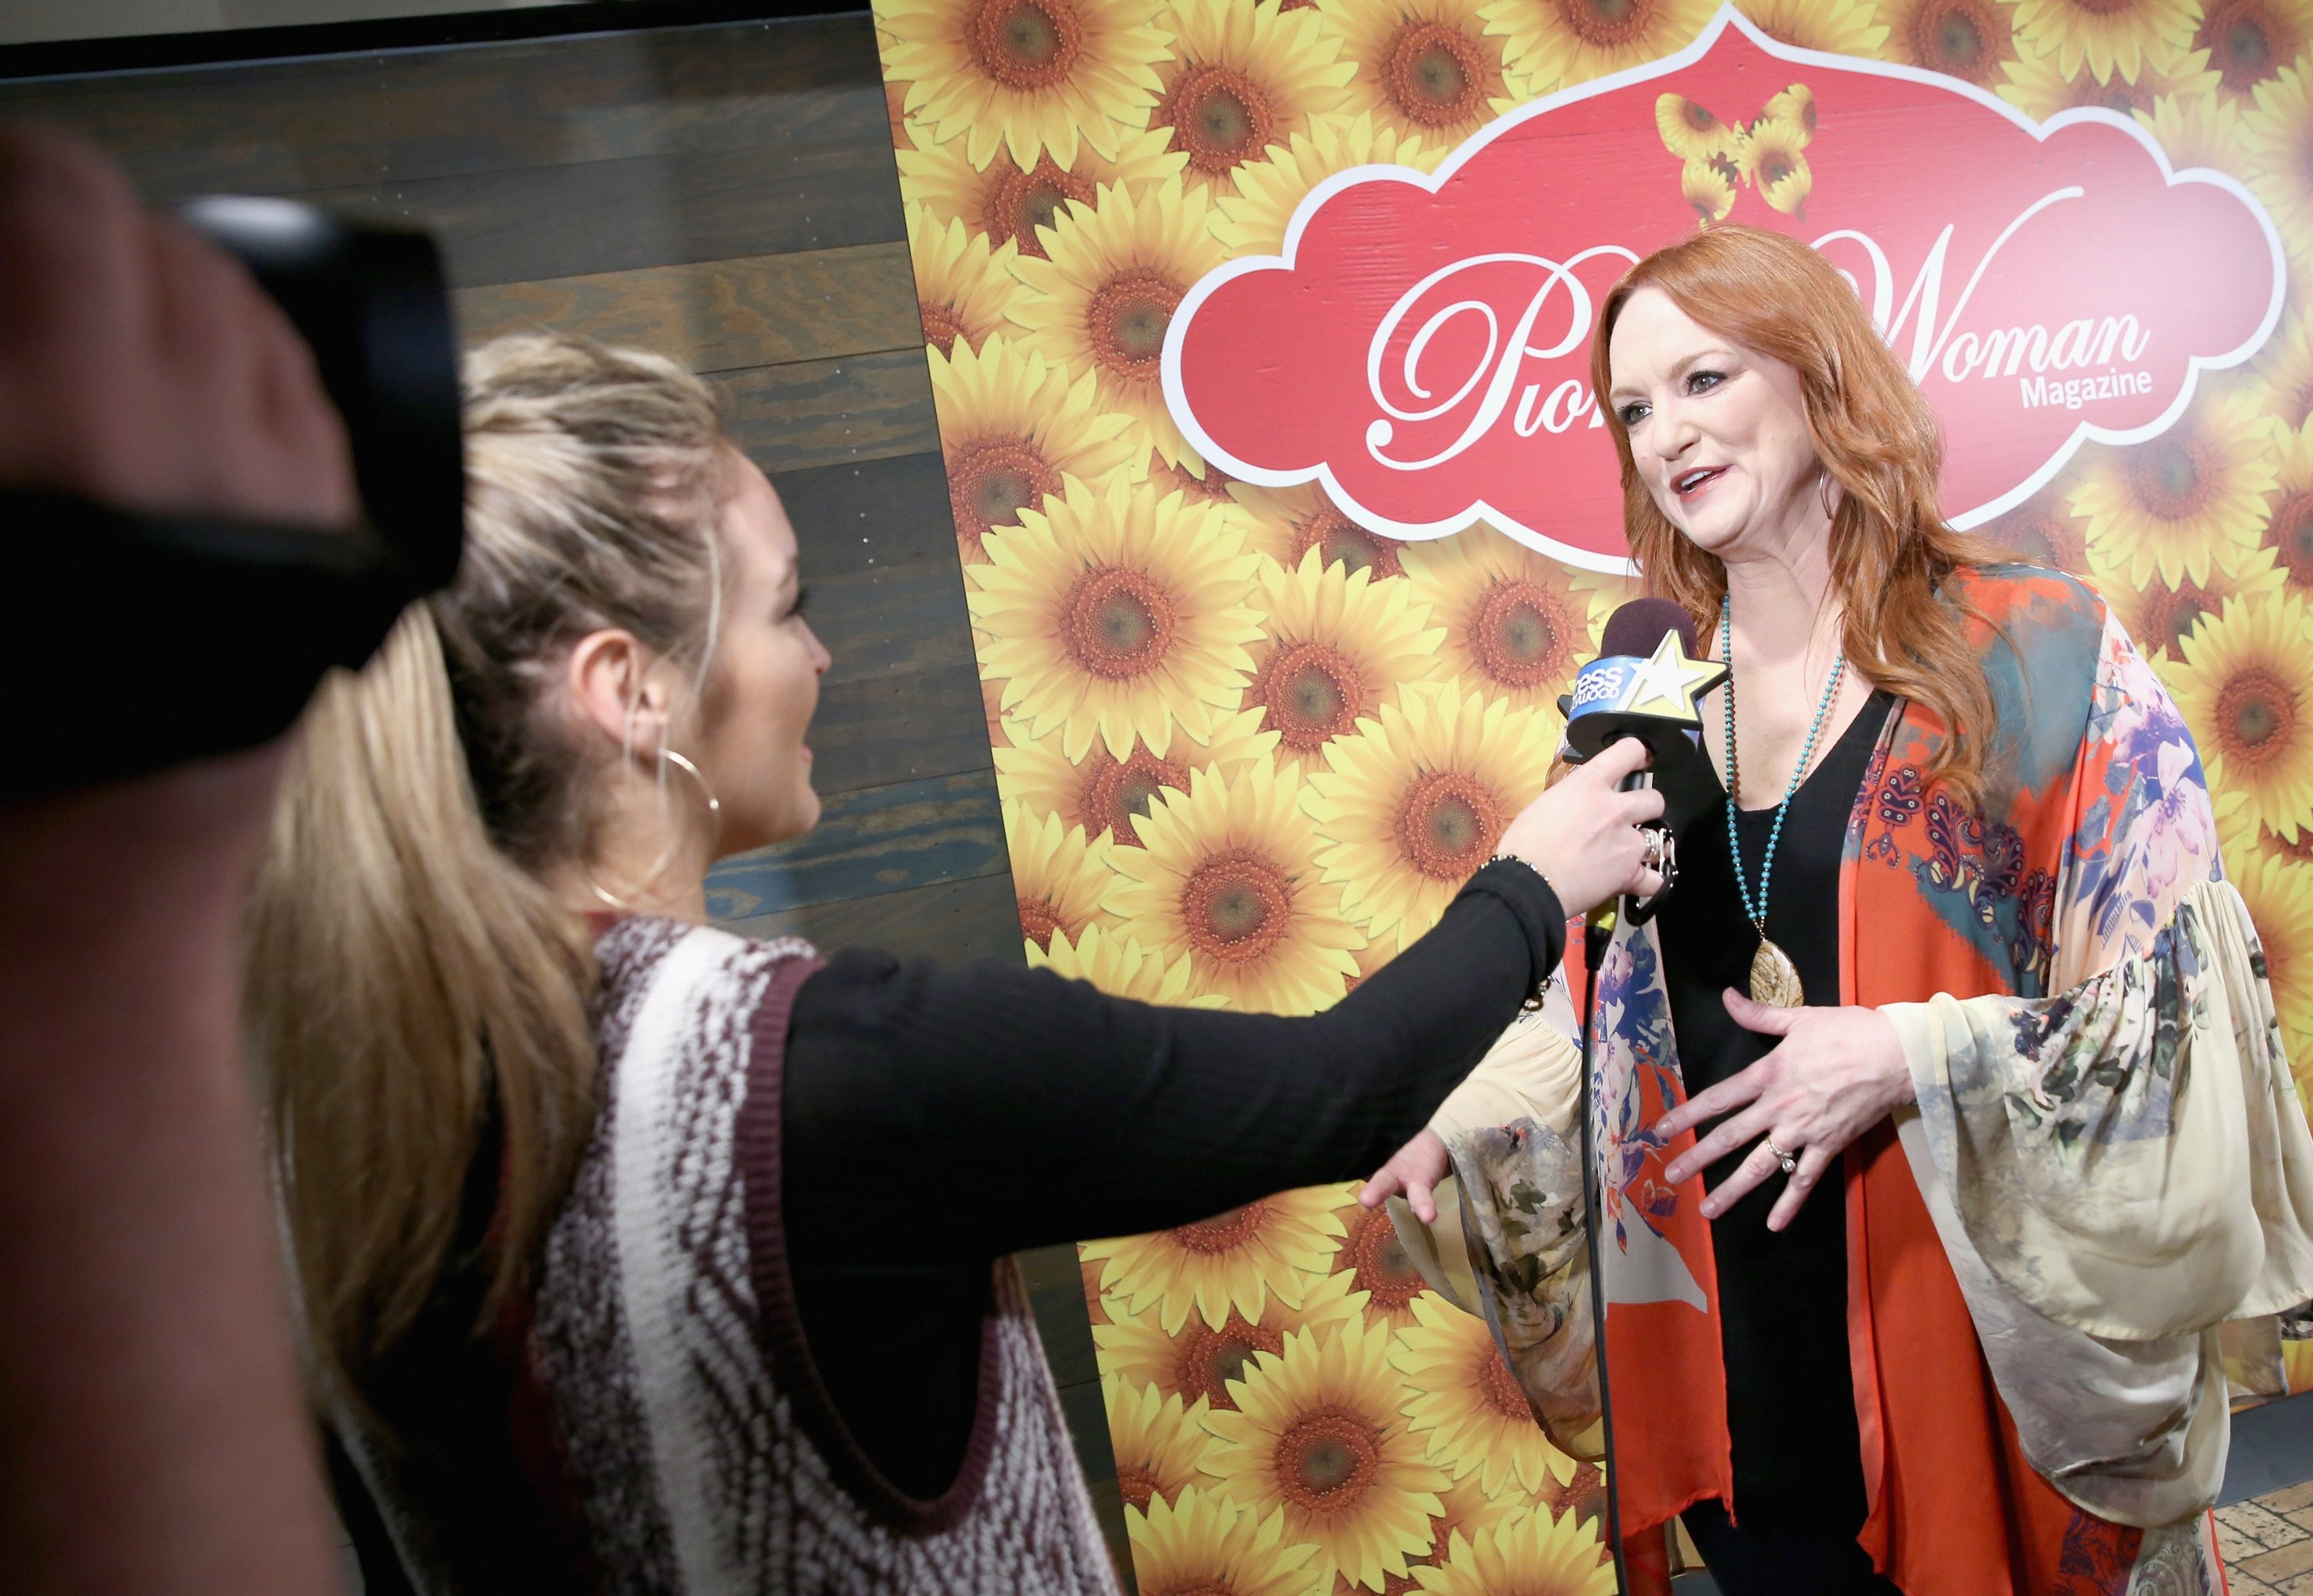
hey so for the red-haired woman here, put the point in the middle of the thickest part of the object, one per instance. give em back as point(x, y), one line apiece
point(1959, 943)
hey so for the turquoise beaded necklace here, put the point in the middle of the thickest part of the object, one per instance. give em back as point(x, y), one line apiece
point(1774, 979)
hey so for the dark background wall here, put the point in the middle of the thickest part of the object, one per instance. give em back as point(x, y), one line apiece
point(725, 194)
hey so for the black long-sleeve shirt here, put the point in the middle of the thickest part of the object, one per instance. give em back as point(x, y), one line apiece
point(935, 1118)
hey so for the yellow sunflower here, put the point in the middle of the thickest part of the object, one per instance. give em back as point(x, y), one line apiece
point(1287, 523)
point(1471, 1512)
point(1166, 477)
point(2039, 85)
point(1845, 27)
point(2249, 40)
point(1197, 1363)
point(1058, 874)
point(1103, 793)
point(1535, 1556)
point(1111, 616)
point(2246, 687)
point(1516, 623)
point(1009, 205)
point(2279, 892)
point(1206, 1545)
point(1337, 648)
point(1229, 874)
point(2195, 130)
point(1425, 69)
point(1015, 431)
point(1693, 131)
point(1469, 1406)
point(1318, 1435)
point(1233, 1260)
point(2111, 36)
point(2177, 505)
point(1157, 1441)
point(1118, 968)
point(2280, 375)
point(961, 285)
point(2288, 530)
point(1252, 220)
point(2158, 617)
point(2277, 137)
point(1102, 301)
point(1386, 1281)
point(1032, 75)
point(2297, 1356)
point(1772, 160)
point(1412, 804)
point(1970, 39)
point(1556, 44)
point(1242, 78)
point(2043, 530)
point(1708, 186)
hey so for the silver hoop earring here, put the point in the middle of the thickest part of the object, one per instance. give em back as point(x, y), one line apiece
point(1823, 492)
point(674, 843)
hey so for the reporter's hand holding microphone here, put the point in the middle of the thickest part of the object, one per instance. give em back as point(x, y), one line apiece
point(1586, 837)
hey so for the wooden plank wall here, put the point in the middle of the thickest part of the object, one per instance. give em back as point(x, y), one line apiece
point(727, 195)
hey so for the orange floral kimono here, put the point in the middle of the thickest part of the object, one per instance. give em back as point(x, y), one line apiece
point(2108, 1164)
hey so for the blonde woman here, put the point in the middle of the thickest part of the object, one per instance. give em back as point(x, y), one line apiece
point(635, 1256)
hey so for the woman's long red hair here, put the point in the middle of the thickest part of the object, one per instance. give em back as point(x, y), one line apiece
point(1877, 439)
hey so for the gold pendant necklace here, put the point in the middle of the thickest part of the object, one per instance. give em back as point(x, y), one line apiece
point(1774, 979)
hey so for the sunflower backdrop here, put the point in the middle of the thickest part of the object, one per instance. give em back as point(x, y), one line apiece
point(1247, 748)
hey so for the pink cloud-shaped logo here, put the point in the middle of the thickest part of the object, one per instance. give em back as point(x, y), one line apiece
point(1422, 347)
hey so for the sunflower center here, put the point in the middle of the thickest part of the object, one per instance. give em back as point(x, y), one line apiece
point(1117, 624)
point(1698, 117)
point(1448, 822)
point(1137, 1484)
point(1020, 202)
point(2167, 614)
point(1954, 38)
point(1515, 635)
point(1236, 906)
point(1434, 74)
point(1326, 1459)
point(2291, 533)
point(1499, 1388)
point(1342, 541)
point(1220, 116)
point(1608, 24)
point(1024, 44)
point(2256, 714)
point(1313, 693)
point(2039, 536)
point(2246, 42)
point(1224, 1232)
point(1774, 168)
point(1198, 1587)
point(1127, 320)
point(992, 481)
point(942, 328)
point(1038, 918)
point(2169, 477)
point(1208, 1359)
point(1114, 793)
point(1377, 1260)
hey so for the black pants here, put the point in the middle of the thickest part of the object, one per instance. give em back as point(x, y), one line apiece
point(1765, 1563)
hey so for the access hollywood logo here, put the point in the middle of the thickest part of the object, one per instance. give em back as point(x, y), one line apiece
point(1421, 348)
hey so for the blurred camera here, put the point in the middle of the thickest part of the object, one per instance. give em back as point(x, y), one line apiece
point(192, 636)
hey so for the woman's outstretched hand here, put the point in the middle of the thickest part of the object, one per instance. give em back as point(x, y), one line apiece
point(1835, 1073)
point(1584, 836)
point(1414, 1169)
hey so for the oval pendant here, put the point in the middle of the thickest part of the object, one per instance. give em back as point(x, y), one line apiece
point(1774, 979)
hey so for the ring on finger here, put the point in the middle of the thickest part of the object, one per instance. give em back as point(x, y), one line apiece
point(1651, 853)
point(1789, 1161)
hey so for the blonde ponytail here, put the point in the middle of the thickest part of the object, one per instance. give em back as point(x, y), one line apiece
point(412, 984)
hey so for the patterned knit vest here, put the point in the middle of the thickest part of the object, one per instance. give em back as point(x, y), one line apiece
point(704, 1449)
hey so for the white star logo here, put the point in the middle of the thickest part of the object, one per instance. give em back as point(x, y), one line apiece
point(1668, 683)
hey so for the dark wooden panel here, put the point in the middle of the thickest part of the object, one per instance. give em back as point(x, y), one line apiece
point(286, 127)
point(952, 921)
point(1055, 1283)
point(719, 315)
point(877, 840)
point(1087, 1418)
point(909, 618)
point(562, 221)
point(871, 517)
point(900, 726)
point(829, 412)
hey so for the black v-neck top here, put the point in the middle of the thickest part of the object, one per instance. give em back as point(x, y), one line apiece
point(1782, 1297)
